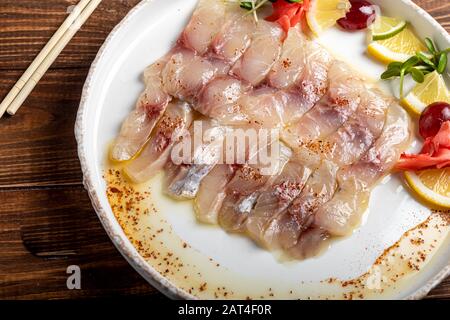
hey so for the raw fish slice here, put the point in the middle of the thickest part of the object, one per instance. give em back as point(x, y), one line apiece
point(270, 108)
point(314, 81)
point(173, 172)
point(235, 36)
point(187, 186)
point(204, 158)
point(290, 67)
point(310, 244)
point(185, 74)
point(286, 187)
point(206, 22)
point(211, 193)
point(263, 52)
point(137, 127)
point(356, 136)
point(340, 102)
point(294, 107)
point(170, 128)
point(285, 229)
point(219, 98)
point(244, 189)
point(343, 213)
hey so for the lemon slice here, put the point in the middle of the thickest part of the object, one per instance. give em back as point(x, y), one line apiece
point(397, 48)
point(431, 90)
point(323, 14)
point(386, 27)
point(432, 185)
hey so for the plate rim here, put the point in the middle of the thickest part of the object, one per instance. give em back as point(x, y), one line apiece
point(118, 237)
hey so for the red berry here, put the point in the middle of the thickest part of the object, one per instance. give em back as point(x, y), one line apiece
point(361, 15)
point(432, 118)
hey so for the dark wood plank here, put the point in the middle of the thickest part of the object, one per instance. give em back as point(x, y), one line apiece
point(37, 145)
point(27, 25)
point(42, 232)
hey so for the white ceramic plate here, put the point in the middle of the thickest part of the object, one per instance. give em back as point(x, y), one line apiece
point(210, 262)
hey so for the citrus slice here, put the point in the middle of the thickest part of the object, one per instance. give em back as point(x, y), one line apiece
point(397, 48)
point(323, 14)
point(386, 27)
point(432, 185)
point(431, 90)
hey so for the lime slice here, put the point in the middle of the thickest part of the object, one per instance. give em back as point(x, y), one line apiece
point(386, 27)
point(397, 48)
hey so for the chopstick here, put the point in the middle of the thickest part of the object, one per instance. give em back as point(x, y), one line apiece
point(47, 56)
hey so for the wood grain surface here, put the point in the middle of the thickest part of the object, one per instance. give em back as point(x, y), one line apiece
point(46, 219)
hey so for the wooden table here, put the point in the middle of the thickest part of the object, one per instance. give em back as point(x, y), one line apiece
point(46, 219)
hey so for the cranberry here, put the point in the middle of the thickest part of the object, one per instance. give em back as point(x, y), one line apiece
point(360, 16)
point(432, 118)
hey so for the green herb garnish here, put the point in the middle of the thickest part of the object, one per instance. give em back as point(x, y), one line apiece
point(419, 65)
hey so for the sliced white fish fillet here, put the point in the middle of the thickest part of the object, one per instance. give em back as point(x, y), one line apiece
point(314, 81)
point(277, 198)
point(354, 138)
point(151, 160)
point(211, 193)
point(186, 73)
point(207, 20)
point(235, 36)
point(270, 108)
point(137, 127)
point(310, 244)
point(289, 68)
point(285, 229)
point(204, 158)
point(244, 189)
point(261, 55)
point(343, 213)
point(219, 100)
point(339, 103)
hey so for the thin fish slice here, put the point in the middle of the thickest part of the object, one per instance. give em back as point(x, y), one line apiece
point(311, 243)
point(343, 213)
point(285, 229)
point(277, 198)
point(270, 108)
point(356, 136)
point(207, 20)
point(340, 102)
point(186, 73)
point(263, 52)
point(137, 127)
point(155, 154)
point(204, 158)
point(235, 36)
point(314, 81)
point(245, 188)
point(173, 172)
point(211, 193)
point(287, 71)
point(219, 100)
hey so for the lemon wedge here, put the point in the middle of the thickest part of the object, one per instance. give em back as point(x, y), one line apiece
point(431, 90)
point(433, 185)
point(400, 47)
point(386, 27)
point(323, 14)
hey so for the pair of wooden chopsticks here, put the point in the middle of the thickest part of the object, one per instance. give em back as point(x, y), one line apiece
point(47, 56)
